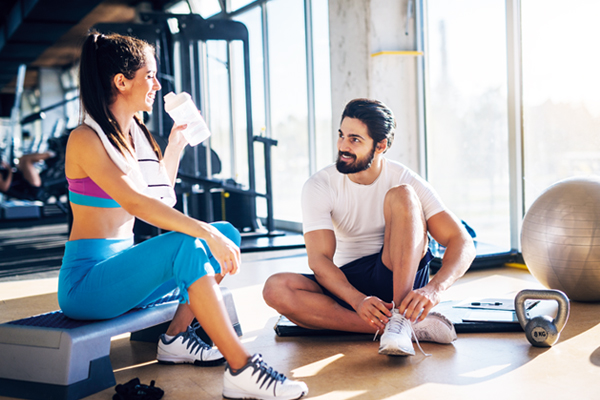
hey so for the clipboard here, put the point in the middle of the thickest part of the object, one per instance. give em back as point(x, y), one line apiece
point(494, 304)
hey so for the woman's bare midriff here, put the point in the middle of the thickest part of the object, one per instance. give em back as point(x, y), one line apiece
point(100, 223)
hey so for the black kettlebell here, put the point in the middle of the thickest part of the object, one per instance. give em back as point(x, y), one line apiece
point(542, 331)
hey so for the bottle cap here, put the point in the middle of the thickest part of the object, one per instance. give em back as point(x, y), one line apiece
point(169, 97)
point(173, 100)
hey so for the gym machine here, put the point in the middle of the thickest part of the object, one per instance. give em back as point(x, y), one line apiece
point(183, 65)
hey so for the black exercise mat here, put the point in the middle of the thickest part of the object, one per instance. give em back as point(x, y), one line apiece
point(285, 327)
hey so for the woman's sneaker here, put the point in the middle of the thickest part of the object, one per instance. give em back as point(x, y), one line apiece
point(188, 348)
point(256, 380)
point(435, 328)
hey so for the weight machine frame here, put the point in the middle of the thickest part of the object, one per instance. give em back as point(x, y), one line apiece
point(195, 30)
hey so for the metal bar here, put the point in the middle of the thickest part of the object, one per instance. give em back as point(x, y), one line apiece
point(204, 91)
point(232, 110)
point(268, 181)
point(515, 119)
point(269, 189)
point(419, 33)
point(310, 88)
point(249, 129)
point(15, 112)
point(266, 72)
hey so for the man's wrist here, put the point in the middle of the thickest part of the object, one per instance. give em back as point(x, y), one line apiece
point(434, 287)
point(357, 301)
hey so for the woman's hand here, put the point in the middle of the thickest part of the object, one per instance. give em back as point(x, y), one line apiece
point(176, 137)
point(224, 251)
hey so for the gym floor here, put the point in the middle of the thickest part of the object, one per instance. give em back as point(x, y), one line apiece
point(477, 365)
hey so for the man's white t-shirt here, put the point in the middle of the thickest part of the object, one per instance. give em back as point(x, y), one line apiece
point(330, 200)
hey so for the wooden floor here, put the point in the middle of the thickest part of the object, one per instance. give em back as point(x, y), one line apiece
point(476, 366)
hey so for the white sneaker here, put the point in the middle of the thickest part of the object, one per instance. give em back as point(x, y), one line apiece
point(188, 348)
point(256, 380)
point(435, 328)
point(396, 338)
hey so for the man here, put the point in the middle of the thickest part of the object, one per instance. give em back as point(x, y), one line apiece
point(25, 181)
point(366, 221)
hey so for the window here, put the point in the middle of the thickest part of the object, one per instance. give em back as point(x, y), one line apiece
point(280, 97)
point(325, 134)
point(289, 114)
point(466, 119)
point(561, 106)
point(237, 4)
point(206, 8)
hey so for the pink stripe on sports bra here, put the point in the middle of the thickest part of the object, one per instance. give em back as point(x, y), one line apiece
point(87, 187)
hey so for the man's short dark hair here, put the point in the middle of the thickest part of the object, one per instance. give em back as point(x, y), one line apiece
point(378, 118)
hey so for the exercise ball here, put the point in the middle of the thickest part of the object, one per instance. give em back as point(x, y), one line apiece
point(560, 238)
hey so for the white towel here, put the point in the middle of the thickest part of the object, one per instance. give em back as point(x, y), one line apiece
point(147, 173)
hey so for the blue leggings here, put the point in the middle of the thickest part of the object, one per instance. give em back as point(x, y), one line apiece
point(104, 278)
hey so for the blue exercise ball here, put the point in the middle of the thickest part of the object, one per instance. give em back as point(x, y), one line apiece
point(560, 238)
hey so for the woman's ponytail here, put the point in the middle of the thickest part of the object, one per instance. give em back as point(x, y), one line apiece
point(102, 58)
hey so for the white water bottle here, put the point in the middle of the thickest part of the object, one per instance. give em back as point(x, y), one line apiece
point(183, 111)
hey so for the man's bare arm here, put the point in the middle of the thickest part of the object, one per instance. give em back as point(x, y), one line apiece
point(5, 183)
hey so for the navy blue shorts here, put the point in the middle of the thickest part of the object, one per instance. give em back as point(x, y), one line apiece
point(370, 276)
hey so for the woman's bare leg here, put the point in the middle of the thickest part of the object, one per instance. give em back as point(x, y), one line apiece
point(184, 316)
point(206, 303)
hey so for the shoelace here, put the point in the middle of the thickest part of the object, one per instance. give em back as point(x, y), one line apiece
point(377, 333)
point(395, 327)
point(266, 373)
point(195, 343)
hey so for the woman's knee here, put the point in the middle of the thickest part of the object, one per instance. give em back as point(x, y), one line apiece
point(178, 239)
point(229, 231)
point(191, 256)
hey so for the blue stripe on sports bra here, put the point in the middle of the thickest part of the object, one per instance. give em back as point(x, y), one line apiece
point(91, 201)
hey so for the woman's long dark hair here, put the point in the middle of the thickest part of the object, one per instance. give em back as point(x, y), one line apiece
point(102, 58)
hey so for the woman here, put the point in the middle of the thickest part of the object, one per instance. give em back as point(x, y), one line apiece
point(103, 274)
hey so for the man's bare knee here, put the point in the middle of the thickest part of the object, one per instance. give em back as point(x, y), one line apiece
point(280, 290)
point(270, 289)
point(403, 195)
point(403, 204)
point(276, 289)
point(403, 200)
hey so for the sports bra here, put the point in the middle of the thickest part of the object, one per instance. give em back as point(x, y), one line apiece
point(85, 192)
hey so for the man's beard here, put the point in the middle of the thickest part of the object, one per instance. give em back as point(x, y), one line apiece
point(356, 165)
